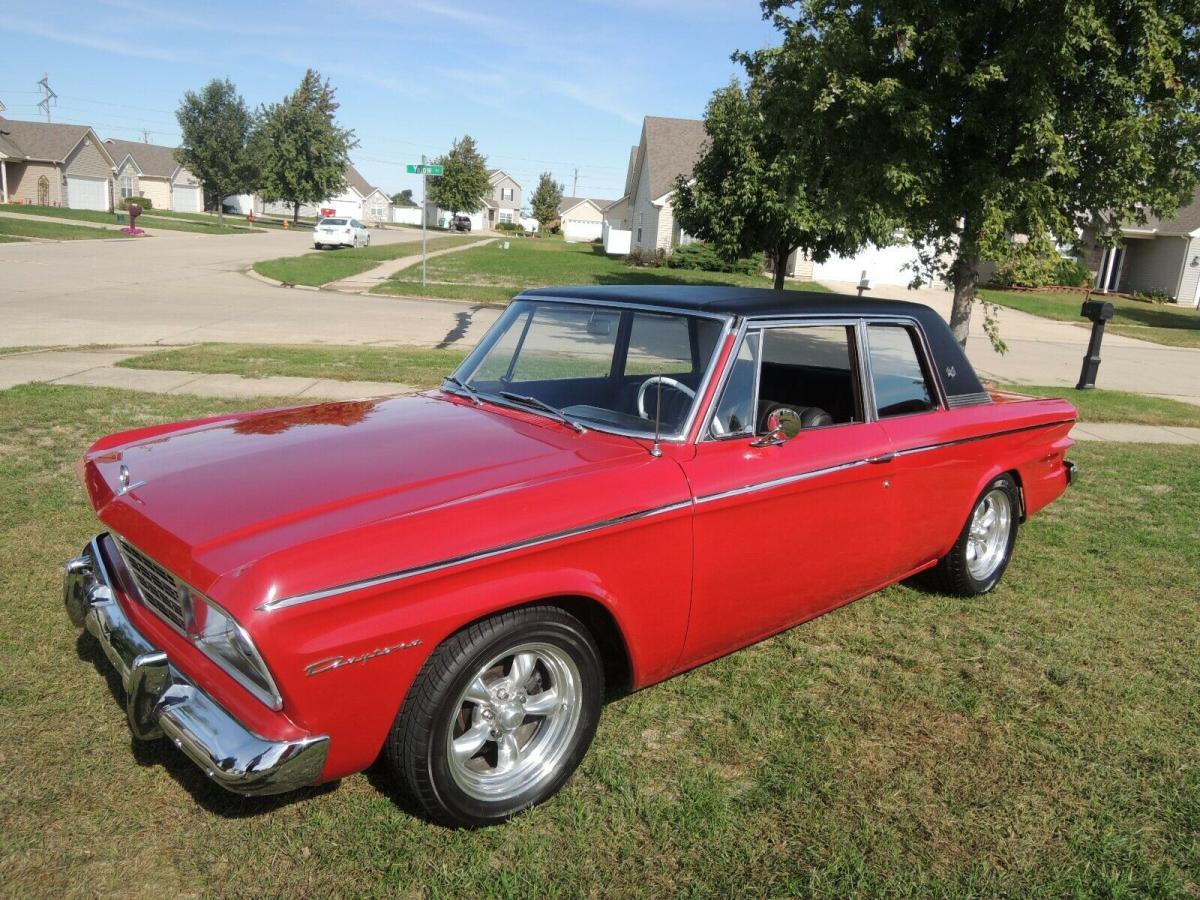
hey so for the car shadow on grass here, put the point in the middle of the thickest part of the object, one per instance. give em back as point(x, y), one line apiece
point(164, 754)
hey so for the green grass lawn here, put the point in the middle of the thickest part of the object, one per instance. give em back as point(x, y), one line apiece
point(10, 239)
point(1118, 406)
point(55, 231)
point(323, 266)
point(1036, 742)
point(493, 275)
point(149, 220)
point(1167, 323)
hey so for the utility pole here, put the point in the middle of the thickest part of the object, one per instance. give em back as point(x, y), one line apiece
point(424, 214)
point(145, 136)
point(575, 184)
point(48, 95)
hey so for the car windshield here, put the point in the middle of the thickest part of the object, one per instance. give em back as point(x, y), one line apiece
point(603, 367)
point(333, 221)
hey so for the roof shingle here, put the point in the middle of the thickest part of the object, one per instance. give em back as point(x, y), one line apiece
point(40, 140)
point(155, 160)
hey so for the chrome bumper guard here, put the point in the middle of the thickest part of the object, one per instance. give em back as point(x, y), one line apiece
point(160, 700)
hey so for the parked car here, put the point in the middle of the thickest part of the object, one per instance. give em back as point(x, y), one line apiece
point(618, 484)
point(460, 223)
point(340, 232)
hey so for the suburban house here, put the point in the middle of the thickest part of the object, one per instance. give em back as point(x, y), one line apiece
point(358, 199)
point(151, 171)
point(1162, 255)
point(668, 149)
point(502, 203)
point(582, 218)
point(54, 165)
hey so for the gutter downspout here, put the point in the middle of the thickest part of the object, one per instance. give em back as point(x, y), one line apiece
point(3, 181)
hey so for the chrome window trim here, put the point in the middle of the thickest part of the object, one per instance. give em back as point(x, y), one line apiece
point(437, 566)
point(685, 431)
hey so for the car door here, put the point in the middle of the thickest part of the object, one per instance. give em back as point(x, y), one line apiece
point(786, 530)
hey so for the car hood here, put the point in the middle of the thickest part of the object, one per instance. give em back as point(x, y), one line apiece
point(375, 485)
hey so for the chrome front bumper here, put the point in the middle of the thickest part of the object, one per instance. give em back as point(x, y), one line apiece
point(161, 701)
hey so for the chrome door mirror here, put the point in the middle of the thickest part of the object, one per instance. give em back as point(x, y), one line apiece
point(783, 424)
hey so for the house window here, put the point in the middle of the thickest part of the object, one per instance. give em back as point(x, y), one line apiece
point(506, 193)
point(377, 212)
point(43, 191)
point(126, 186)
point(506, 216)
point(639, 237)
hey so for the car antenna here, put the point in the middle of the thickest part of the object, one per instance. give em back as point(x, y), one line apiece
point(656, 450)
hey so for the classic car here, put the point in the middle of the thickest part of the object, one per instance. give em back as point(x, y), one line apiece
point(618, 484)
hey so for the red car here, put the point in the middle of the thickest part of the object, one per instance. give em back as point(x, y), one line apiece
point(617, 485)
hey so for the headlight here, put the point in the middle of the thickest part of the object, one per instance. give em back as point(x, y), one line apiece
point(227, 644)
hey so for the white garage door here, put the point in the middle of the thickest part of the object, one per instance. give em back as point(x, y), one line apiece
point(884, 265)
point(87, 193)
point(186, 198)
point(581, 230)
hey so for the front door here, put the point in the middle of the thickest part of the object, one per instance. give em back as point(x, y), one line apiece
point(785, 531)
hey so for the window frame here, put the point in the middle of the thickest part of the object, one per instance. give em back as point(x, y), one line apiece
point(861, 359)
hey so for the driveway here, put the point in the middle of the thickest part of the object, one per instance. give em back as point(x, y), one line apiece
point(1043, 351)
point(178, 288)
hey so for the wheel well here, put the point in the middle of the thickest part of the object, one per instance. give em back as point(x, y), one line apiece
point(1016, 476)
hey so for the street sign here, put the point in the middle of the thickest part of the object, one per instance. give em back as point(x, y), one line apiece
point(424, 169)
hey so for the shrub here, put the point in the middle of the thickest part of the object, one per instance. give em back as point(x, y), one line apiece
point(706, 259)
point(513, 227)
point(1070, 273)
point(143, 202)
point(646, 257)
point(1154, 295)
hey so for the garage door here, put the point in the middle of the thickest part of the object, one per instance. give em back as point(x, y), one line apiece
point(884, 265)
point(87, 193)
point(187, 199)
point(581, 230)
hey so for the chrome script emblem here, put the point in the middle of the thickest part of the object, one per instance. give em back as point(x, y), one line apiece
point(336, 662)
point(951, 371)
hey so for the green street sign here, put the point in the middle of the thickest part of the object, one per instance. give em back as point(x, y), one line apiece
point(424, 169)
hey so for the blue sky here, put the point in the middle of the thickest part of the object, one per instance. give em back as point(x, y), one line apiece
point(540, 85)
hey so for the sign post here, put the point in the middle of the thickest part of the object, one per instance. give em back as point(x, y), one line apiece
point(424, 170)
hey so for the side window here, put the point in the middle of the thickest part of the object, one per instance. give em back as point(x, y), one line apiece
point(734, 415)
point(900, 381)
point(808, 376)
point(659, 345)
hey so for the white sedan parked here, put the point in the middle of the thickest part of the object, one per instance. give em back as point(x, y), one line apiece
point(340, 232)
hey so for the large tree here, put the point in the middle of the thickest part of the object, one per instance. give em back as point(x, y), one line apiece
point(545, 200)
point(976, 121)
point(463, 183)
point(757, 189)
point(216, 127)
point(302, 151)
point(403, 198)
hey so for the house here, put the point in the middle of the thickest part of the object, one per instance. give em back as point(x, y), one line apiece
point(1162, 255)
point(54, 165)
point(668, 149)
point(358, 199)
point(153, 172)
point(582, 218)
point(502, 203)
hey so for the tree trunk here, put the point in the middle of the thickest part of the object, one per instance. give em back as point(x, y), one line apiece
point(220, 209)
point(964, 273)
point(780, 257)
point(296, 214)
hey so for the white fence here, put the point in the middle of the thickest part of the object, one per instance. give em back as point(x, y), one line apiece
point(406, 215)
point(617, 241)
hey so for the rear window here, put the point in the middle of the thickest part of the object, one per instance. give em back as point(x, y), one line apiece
point(333, 221)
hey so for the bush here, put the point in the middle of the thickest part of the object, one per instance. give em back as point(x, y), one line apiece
point(646, 257)
point(512, 227)
point(1070, 273)
point(1024, 266)
point(143, 202)
point(706, 259)
point(1154, 295)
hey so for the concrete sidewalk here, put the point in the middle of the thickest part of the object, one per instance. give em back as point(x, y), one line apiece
point(364, 281)
point(97, 368)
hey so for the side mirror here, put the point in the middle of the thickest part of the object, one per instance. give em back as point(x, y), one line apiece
point(782, 425)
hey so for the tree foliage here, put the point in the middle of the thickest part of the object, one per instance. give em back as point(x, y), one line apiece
point(217, 127)
point(974, 121)
point(463, 183)
point(302, 151)
point(756, 188)
point(404, 198)
point(546, 199)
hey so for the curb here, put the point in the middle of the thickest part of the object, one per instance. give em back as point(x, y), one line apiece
point(249, 271)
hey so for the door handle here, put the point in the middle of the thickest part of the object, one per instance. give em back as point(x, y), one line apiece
point(882, 458)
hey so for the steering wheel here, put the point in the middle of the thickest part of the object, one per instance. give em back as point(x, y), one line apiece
point(667, 382)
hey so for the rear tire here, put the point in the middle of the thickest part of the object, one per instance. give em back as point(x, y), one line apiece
point(499, 716)
point(984, 547)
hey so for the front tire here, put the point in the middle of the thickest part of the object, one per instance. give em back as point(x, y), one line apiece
point(984, 547)
point(499, 716)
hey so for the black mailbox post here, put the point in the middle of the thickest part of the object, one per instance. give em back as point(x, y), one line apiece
point(1099, 312)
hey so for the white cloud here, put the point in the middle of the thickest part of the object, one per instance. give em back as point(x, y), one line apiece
point(138, 49)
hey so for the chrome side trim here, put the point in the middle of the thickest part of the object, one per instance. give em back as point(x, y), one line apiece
point(425, 569)
point(924, 448)
point(162, 700)
point(780, 482)
point(978, 399)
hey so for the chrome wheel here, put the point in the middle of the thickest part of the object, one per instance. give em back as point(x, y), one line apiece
point(514, 723)
point(987, 537)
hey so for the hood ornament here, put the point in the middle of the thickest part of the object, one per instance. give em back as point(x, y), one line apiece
point(126, 486)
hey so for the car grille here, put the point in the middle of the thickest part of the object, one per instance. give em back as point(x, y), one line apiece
point(159, 589)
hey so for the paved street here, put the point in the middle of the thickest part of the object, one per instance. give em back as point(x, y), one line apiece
point(177, 288)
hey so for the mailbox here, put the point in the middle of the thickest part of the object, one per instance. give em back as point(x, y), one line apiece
point(1097, 310)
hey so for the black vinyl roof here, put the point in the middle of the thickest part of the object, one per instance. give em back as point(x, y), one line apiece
point(955, 372)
